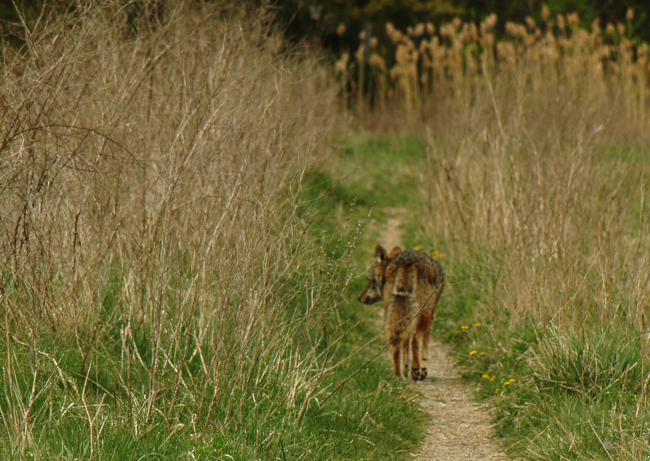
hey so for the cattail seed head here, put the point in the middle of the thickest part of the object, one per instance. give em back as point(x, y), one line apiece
point(487, 40)
point(377, 61)
point(492, 20)
point(530, 22)
point(342, 64)
point(394, 34)
point(595, 27)
point(516, 30)
point(447, 31)
point(361, 52)
point(506, 53)
point(489, 24)
point(472, 35)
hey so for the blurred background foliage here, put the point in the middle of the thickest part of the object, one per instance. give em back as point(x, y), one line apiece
point(336, 24)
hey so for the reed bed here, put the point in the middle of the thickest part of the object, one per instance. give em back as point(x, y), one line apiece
point(156, 277)
point(439, 72)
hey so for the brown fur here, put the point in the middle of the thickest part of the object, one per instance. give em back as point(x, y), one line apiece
point(409, 283)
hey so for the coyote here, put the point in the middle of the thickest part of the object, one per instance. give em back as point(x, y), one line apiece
point(409, 283)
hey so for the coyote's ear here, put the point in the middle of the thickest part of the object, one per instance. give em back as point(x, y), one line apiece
point(380, 254)
point(394, 252)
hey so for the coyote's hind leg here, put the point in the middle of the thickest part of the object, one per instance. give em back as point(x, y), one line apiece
point(424, 333)
point(415, 358)
point(396, 356)
point(405, 354)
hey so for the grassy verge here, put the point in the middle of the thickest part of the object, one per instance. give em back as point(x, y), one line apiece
point(560, 393)
point(547, 295)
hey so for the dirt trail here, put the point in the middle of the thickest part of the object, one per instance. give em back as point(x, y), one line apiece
point(460, 428)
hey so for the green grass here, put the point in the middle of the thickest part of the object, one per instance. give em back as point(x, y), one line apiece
point(372, 417)
point(362, 183)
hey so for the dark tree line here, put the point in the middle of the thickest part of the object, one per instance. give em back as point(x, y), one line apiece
point(320, 19)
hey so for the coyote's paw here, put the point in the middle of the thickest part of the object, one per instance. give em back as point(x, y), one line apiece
point(423, 373)
point(418, 374)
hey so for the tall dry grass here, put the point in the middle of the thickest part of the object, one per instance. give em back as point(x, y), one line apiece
point(526, 168)
point(563, 225)
point(149, 243)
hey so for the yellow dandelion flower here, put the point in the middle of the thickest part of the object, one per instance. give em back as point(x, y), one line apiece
point(418, 248)
point(481, 353)
point(486, 376)
point(493, 378)
point(608, 295)
point(464, 327)
point(435, 254)
point(512, 380)
point(473, 352)
point(477, 324)
point(507, 383)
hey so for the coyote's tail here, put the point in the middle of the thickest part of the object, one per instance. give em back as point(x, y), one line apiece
point(405, 281)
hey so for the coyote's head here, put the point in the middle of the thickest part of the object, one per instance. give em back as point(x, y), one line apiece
point(375, 287)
